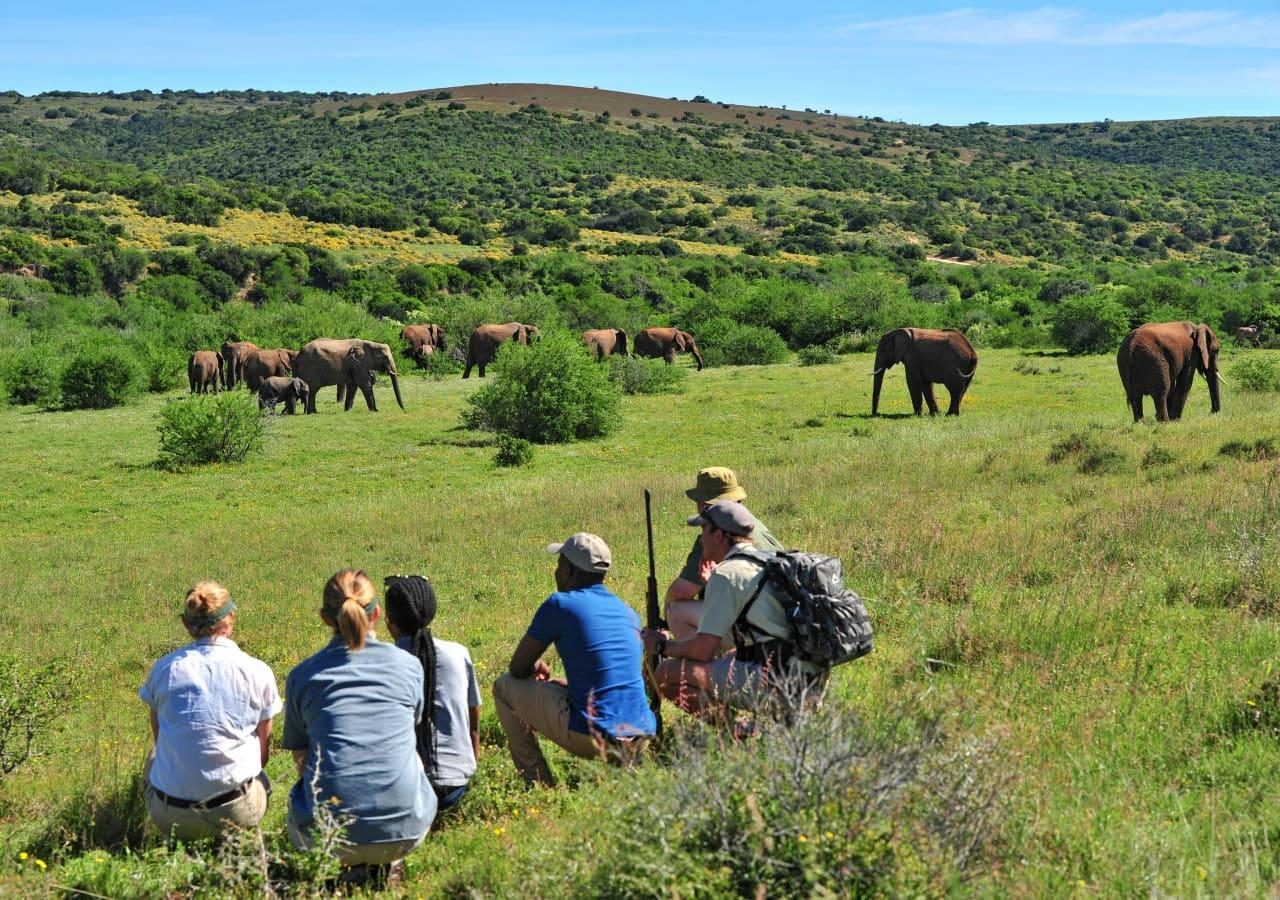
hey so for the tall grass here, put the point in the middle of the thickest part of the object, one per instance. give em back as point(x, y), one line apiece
point(1107, 623)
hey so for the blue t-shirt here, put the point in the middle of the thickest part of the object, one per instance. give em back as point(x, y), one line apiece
point(354, 712)
point(598, 639)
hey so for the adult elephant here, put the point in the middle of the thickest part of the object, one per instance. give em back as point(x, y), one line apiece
point(929, 356)
point(349, 364)
point(204, 369)
point(1160, 360)
point(262, 364)
point(486, 340)
point(281, 388)
point(234, 354)
point(665, 343)
point(604, 342)
point(421, 341)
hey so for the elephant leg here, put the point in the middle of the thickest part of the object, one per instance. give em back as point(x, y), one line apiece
point(481, 366)
point(916, 391)
point(1136, 404)
point(290, 404)
point(1161, 401)
point(670, 356)
point(466, 373)
point(927, 389)
point(957, 394)
point(367, 390)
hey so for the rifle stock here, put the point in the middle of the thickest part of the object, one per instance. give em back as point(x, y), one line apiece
point(653, 616)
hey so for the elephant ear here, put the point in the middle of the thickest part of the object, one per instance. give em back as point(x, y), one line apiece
point(356, 353)
point(1204, 344)
point(903, 338)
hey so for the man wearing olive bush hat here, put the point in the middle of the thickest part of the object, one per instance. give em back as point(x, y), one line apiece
point(599, 708)
point(683, 600)
point(694, 673)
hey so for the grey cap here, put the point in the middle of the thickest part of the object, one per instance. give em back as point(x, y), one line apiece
point(584, 551)
point(727, 515)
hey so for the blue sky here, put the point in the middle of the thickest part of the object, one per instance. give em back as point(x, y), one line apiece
point(919, 62)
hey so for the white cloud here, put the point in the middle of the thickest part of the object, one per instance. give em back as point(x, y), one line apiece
point(1063, 26)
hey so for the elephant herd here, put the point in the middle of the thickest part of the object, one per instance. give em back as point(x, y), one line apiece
point(294, 376)
point(1157, 360)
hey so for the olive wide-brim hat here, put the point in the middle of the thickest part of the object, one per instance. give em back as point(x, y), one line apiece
point(716, 483)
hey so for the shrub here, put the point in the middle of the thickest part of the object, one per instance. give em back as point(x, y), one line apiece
point(746, 345)
point(33, 376)
point(635, 375)
point(1092, 323)
point(206, 428)
point(549, 392)
point(513, 452)
point(799, 810)
point(163, 368)
point(818, 355)
point(100, 378)
point(1256, 373)
point(32, 703)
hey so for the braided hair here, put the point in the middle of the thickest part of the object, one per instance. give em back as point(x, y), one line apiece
point(411, 605)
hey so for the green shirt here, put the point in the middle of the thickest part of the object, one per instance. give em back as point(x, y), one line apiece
point(761, 536)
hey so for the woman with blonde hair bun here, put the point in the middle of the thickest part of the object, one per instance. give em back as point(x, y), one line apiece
point(211, 709)
point(350, 721)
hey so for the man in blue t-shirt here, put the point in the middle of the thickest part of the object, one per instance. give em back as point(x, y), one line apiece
point(599, 709)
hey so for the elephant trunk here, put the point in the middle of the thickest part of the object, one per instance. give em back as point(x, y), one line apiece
point(696, 355)
point(395, 386)
point(1214, 397)
point(875, 392)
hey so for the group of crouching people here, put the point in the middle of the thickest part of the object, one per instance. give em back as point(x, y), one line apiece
point(385, 736)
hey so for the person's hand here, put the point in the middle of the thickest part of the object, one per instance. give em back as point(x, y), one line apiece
point(652, 637)
point(705, 568)
point(541, 671)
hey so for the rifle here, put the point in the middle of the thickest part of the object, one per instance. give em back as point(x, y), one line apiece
point(653, 619)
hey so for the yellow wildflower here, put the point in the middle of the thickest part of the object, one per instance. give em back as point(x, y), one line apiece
point(499, 831)
point(41, 864)
point(23, 855)
point(802, 839)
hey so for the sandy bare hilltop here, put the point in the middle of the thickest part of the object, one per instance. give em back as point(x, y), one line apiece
point(618, 104)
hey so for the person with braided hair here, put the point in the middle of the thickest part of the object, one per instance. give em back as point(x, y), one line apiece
point(211, 710)
point(350, 717)
point(448, 738)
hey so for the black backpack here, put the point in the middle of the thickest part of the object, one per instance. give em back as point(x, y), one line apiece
point(829, 624)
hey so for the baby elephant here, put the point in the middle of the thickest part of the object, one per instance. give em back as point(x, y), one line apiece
point(278, 387)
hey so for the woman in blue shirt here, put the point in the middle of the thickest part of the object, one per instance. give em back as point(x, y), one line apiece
point(350, 714)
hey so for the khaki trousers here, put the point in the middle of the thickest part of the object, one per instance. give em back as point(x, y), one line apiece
point(197, 823)
point(527, 708)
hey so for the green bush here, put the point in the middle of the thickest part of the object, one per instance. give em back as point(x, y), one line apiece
point(513, 452)
point(33, 376)
point(548, 392)
point(100, 378)
point(1256, 373)
point(163, 368)
point(1092, 323)
point(745, 345)
point(636, 375)
point(818, 355)
point(206, 428)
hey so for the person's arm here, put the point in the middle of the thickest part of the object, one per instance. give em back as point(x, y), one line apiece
point(264, 740)
point(702, 647)
point(688, 584)
point(299, 761)
point(155, 727)
point(526, 662)
point(473, 717)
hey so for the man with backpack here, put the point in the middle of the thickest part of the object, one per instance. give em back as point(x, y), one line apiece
point(745, 609)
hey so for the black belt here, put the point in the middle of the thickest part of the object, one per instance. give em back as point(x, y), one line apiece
point(220, 800)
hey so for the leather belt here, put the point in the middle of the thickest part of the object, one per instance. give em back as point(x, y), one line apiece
point(219, 800)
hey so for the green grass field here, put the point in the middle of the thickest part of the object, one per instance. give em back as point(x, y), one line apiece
point(1097, 597)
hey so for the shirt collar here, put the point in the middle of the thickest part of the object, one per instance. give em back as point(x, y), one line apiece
point(216, 641)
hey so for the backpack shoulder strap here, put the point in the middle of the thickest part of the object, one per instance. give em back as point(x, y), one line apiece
point(763, 557)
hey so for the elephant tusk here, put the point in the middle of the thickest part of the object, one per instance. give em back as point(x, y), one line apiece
point(1220, 378)
point(878, 371)
point(968, 374)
